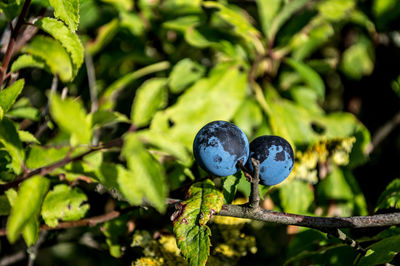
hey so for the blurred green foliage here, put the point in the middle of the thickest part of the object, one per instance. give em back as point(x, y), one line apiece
point(152, 73)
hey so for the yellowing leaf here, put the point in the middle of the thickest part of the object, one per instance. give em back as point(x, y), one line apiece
point(192, 233)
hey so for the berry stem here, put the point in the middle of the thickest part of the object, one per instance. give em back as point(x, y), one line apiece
point(254, 199)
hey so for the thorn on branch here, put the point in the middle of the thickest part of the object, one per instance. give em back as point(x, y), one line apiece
point(337, 233)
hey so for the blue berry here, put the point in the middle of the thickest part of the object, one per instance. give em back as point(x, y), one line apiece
point(219, 146)
point(275, 156)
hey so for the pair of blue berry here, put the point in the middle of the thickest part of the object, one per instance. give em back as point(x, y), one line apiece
point(219, 146)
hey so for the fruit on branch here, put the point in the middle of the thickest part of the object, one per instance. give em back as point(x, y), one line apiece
point(275, 156)
point(219, 146)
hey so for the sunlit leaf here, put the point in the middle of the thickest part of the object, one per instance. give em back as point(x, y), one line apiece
point(267, 11)
point(53, 53)
point(27, 60)
point(150, 97)
point(310, 76)
point(184, 73)
point(26, 136)
point(192, 233)
point(71, 117)
point(10, 94)
point(144, 167)
point(64, 203)
point(110, 93)
point(26, 207)
point(67, 11)
point(217, 97)
point(284, 15)
point(358, 59)
point(390, 198)
point(105, 35)
point(67, 38)
point(117, 177)
point(102, 118)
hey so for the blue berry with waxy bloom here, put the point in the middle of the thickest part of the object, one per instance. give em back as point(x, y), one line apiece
point(219, 146)
point(275, 156)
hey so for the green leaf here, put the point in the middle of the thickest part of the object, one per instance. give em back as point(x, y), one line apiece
point(217, 97)
point(26, 136)
point(382, 252)
point(149, 98)
point(113, 90)
point(64, 203)
point(284, 15)
point(184, 73)
point(143, 166)
point(121, 5)
point(102, 118)
point(10, 94)
point(71, 117)
point(24, 112)
point(358, 59)
point(116, 177)
point(10, 8)
point(229, 185)
point(296, 196)
point(115, 232)
point(5, 206)
point(67, 11)
point(192, 233)
point(132, 22)
point(267, 11)
point(310, 76)
point(385, 12)
point(105, 35)
point(30, 233)
point(390, 198)
point(26, 207)
point(182, 24)
point(248, 117)
point(55, 56)
point(336, 10)
point(67, 38)
point(12, 144)
point(166, 144)
point(27, 60)
point(335, 186)
point(241, 25)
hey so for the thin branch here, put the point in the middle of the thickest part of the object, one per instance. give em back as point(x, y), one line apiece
point(49, 168)
point(384, 131)
point(337, 233)
point(33, 250)
point(254, 199)
point(315, 222)
point(13, 38)
point(13, 258)
point(92, 82)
